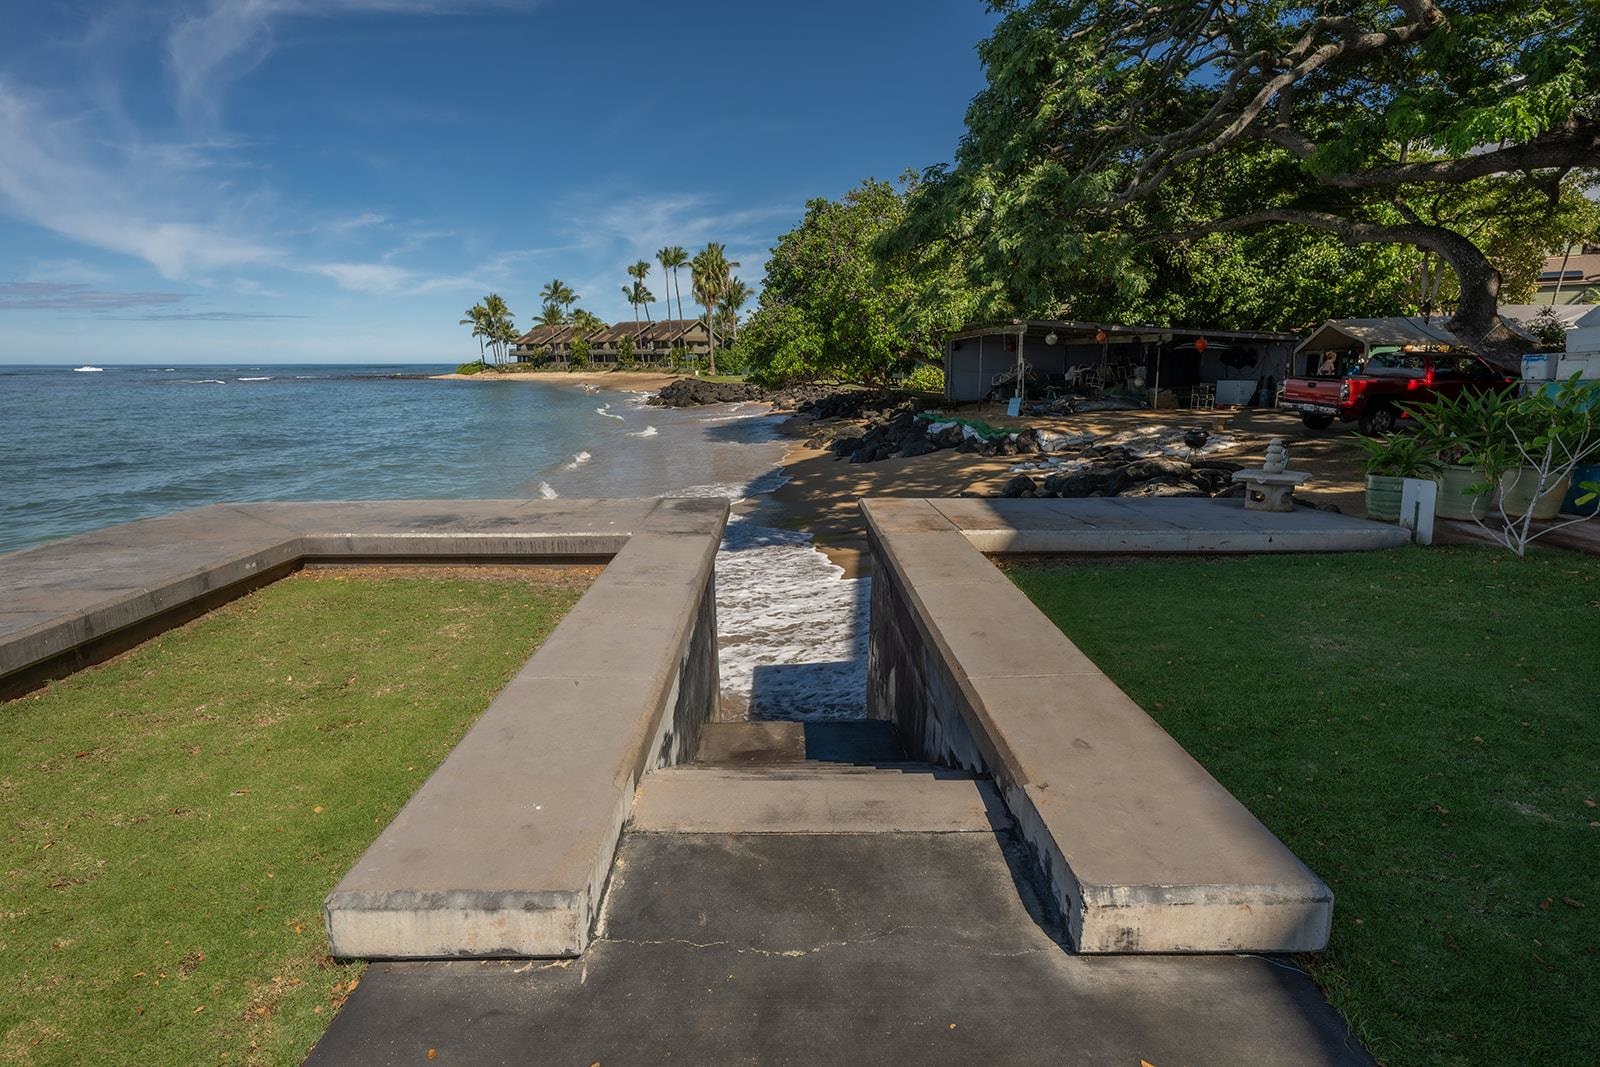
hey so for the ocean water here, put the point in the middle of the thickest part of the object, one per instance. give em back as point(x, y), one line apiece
point(79, 451)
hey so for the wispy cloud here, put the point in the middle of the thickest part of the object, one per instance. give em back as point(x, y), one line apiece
point(83, 300)
point(206, 316)
point(229, 38)
point(59, 296)
point(60, 173)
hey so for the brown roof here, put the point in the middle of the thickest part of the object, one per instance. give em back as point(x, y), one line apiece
point(544, 335)
point(1571, 270)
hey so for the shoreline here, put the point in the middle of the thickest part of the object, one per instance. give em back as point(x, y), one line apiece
point(620, 379)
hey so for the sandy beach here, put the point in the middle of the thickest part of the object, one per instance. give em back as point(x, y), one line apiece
point(822, 494)
point(605, 379)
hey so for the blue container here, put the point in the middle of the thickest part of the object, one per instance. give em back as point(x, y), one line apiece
point(1580, 475)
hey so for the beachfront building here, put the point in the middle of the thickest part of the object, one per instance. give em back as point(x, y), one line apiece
point(1164, 365)
point(1573, 277)
point(652, 341)
point(542, 343)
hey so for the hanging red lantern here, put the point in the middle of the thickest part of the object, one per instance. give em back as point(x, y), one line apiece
point(1100, 336)
point(1200, 345)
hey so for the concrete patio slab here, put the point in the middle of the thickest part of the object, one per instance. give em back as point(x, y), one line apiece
point(883, 948)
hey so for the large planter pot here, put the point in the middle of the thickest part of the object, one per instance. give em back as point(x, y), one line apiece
point(1383, 497)
point(1456, 499)
point(1580, 475)
point(1516, 495)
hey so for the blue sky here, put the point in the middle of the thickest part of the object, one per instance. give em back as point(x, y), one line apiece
point(336, 180)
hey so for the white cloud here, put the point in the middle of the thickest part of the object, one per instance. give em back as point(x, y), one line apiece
point(229, 38)
point(60, 173)
point(368, 277)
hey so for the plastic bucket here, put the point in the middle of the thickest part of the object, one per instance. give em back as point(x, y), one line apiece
point(1580, 475)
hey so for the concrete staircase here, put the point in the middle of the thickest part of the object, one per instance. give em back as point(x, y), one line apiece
point(811, 778)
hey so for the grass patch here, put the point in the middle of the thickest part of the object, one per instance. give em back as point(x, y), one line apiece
point(176, 815)
point(1420, 727)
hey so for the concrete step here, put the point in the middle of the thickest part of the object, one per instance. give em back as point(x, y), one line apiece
point(815, 798)
point(863, 741)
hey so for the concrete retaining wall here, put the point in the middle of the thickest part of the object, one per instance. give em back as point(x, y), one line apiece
point(504, 851)
point(1145, 852)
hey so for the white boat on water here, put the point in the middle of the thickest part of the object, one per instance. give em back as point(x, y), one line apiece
point(88, 370)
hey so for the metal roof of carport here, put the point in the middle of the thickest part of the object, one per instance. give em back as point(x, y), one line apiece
point(1091, 328)
point(1337, 334)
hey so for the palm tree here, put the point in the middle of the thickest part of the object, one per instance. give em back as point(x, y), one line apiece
point(639, 272)
point(671, 258)
point(499, 326)
point(585, 323)
point(734, 297)
point(476, 316)
point(559, 292)
point(630, 293)
point(551, 315)
point(709, 275)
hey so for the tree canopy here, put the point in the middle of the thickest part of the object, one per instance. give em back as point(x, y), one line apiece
point(1117, 139)
point(836, 304)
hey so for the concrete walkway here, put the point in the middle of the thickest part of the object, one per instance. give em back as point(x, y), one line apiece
point(773, 907)
point(850, 948)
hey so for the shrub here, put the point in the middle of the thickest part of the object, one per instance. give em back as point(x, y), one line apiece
point(926, 378)
point(475, 367)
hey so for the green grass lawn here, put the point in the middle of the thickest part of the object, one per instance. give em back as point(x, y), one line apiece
point(175, 816)
point(1422, 728)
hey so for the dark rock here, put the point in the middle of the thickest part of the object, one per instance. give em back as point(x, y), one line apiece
point(845, 445)
point(694, 392)
point(918, 446)
point(1019, 485)
point(1028, 441)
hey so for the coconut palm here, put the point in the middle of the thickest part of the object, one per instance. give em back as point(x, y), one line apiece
point(639, 272)
point(586, 323)
point(551, 315)
point(499, 325)
point(709, 274)
point(734, 297)
point(671, 258)
point(559, 292)
point(476, 317)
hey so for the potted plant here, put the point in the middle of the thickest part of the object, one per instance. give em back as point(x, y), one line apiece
point(1537, 444)
point(1391, 459)
point(1460, 429)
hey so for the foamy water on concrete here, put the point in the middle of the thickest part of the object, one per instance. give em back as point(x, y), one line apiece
point(792, 629)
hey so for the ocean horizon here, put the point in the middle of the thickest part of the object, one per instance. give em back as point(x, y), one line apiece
point(83, 450)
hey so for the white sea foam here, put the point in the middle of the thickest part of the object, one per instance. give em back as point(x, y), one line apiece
point(88, 370)
point(547, 493)
point(648, 431)
point(268, 378)
point(793, 631)
point(605, 410)
point(203, 381)
point(578, 460)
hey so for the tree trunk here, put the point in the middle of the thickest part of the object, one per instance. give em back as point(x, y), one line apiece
point(711, 336)
point(1476, 320)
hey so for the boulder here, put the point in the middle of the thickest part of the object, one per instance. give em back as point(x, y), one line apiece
point(695, 392)
point(1019, 485)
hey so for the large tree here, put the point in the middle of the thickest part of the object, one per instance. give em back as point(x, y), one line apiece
point(1354, 120)
point(836, 305)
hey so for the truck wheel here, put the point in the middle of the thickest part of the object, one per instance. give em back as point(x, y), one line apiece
point(1378, 420)
point(1317, 422)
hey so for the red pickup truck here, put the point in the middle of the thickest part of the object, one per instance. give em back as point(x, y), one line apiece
point(1375, 394)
